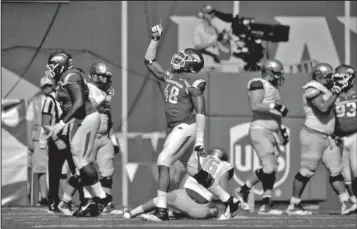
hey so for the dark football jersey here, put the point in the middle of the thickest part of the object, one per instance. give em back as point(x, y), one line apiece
point(68, 77)
point(179, 107)
point(346, 118)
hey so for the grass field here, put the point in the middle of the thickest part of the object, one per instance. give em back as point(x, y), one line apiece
point(38, 217)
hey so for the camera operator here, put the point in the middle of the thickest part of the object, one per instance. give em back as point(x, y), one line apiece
point(205, 35)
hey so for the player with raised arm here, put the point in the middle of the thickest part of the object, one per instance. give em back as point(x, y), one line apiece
point(193, 200)
point(185, 115)
point(346, 126)
point(316, 138)
point(79, 112)
point(266, 126)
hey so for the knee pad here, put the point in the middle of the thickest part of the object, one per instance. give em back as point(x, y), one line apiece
point(303, 179)
point(204, 178)
point(75, 181)
point(306, 172)
point(89, 175)
point(106, 182)
point(339, 177)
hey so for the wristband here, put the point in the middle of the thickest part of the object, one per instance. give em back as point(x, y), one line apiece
point(62, 124)
point(200, 127)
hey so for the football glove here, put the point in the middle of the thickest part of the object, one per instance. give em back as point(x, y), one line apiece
point(280, 107)
point(156, 31)
point(285, 135)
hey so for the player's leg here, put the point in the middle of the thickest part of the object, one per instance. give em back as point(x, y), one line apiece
point(312, 147)
point(55, 162)
point(350, 143)
point(353, 162)
point(259, 141)
point(73, 184)
point(82, 144)
point(105, 162)
point(332, 161)
point(179, 200)
point(263, 141)
point(148, 206)
point(346, 172)
point(40, 161)
point(172, 151)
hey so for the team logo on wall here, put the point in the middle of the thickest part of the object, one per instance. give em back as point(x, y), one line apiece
point(245, 160)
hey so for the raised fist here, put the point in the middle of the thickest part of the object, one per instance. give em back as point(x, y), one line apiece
point(156, 31)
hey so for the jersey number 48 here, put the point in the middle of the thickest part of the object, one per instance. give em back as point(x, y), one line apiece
point(171, 94)
point(346, 110)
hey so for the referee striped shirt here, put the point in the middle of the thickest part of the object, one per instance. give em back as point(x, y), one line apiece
point(53, 108)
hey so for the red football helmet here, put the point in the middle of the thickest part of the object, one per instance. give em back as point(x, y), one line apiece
point(218, 153)
point(58, 62)
point(345, 75)
point(273, 71)
point(101, 75)
point(188, 60)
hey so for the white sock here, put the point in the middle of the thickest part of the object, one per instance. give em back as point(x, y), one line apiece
point(98, 190)
point(217, 190)
point(343, 197)
point(248, 184)
point(136, 211)
point(353, 199)
point(295, 200)
point(66, 198)
point(161, 199)
point(86, 192)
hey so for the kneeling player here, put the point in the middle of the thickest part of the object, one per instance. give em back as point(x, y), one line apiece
point(194, 200)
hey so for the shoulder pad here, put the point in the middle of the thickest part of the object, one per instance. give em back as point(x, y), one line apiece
point(314, 84)
point(255, 84)
point(71, 77)
point(311, 92)
point(199, 84)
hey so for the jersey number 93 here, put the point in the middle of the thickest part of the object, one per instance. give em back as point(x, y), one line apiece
point(346, 110)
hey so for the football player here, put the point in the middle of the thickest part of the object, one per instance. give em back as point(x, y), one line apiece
point(193, 200)
point(317, 143)
point(79, 112)
point(185, 115)
point(265, 131)
point(106, 145)
point(346, 125)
